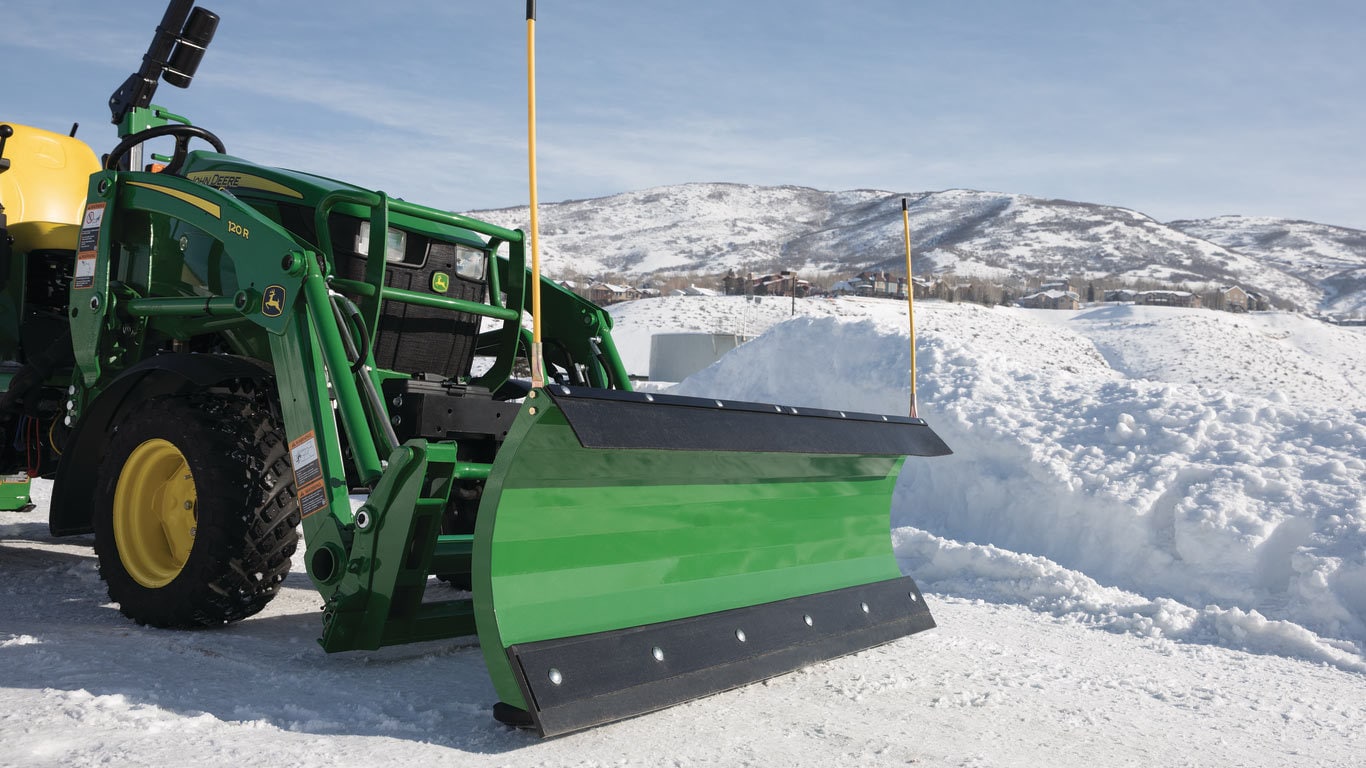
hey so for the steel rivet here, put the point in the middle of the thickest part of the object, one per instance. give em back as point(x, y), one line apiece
point(555, 677)
point(649, 398)
point(864, 606)
point(914, 599)
point(720, 404)
point(658, 653)
point(807, 619)
point(531, 410)
point(740, 635)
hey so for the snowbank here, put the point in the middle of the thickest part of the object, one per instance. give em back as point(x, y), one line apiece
point(1101, 442)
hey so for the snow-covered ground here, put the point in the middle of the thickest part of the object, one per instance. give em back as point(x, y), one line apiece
point(1149, 548)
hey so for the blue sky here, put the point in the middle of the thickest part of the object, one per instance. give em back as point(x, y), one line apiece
point(1176, 109)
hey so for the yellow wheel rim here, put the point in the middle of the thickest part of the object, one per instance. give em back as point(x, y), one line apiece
point(154, 513)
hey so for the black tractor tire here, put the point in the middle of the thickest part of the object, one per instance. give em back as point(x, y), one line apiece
point(229, 460)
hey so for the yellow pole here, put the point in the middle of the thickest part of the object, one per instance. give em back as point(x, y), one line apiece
point(910, 295)
point(534, 236)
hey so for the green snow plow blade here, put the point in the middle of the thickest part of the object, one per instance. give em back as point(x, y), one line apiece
point(634, 551)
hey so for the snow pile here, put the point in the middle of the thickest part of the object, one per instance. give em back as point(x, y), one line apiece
point(1099, 470)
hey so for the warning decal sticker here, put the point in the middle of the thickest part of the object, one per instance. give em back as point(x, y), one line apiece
point(308, 474)
point(88, 247)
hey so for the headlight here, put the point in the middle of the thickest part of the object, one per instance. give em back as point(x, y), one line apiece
point(395, 246)
point(470, 262)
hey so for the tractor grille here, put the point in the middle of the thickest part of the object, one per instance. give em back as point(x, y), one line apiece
point(417, 339)
point(413, 338)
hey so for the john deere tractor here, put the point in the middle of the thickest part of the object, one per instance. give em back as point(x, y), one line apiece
point(208, 357)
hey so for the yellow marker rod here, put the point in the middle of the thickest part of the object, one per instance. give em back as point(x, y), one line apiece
point(534, 236)
point(910, 295)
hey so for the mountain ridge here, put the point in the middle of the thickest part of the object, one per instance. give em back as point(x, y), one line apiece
point(969, 234)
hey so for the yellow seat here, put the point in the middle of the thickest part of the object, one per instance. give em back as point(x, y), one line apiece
point(44, 190)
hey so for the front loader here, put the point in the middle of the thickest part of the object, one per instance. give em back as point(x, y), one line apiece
point(208, 356)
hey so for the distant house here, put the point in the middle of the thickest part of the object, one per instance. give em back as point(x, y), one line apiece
point(779, 284)
point(1168, 299)
point(885, 286)
point(1065, 286)
point(889, 286)
point(610, 293)
point(1229, 299)
point(874, 283)
point(575, 286)
point(1121, 294)
point(923, 288)
point(846, 287)
point(1051, 300)
point(768, 285)
point(734, 284)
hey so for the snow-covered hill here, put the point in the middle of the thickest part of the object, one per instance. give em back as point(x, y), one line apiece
point(710, 228)
point(1333, 258)
point(1149, 548)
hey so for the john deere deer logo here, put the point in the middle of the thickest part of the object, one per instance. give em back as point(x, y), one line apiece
point(441, 282)
point(273, 301)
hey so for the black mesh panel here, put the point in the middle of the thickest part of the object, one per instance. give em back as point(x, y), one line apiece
point(417, 339)
point(411, 338)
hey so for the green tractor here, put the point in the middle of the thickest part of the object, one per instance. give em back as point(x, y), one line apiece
point(210, 356)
